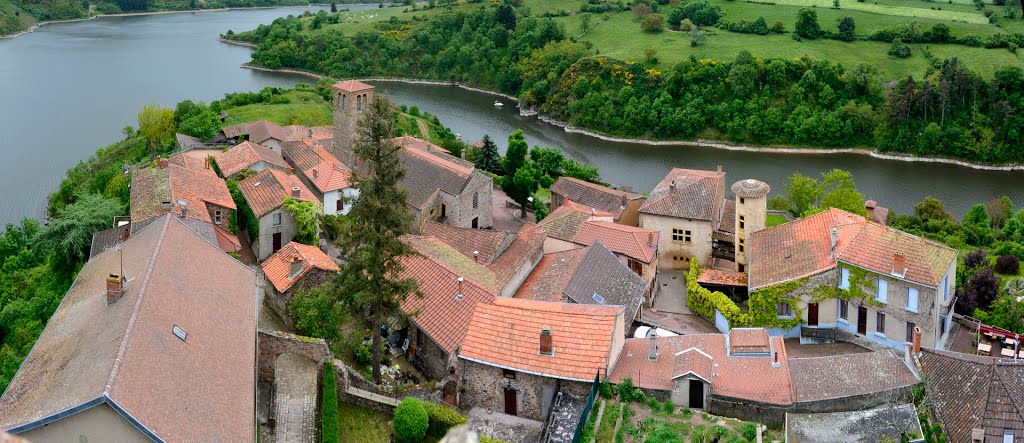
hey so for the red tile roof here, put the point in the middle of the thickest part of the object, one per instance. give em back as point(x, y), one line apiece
point(692, 361)
point(175, 184)
point(196, 160)
point(720, 277)
point(485, 242)
point(227, 241)
point(258, 132)
point(408, 141)
point(749, 341)
point(199, 389)
point(565, 221)
point(277, 267)
point(593, 195)
point(318, 165)
point(506, 333)
point(267, 190)
point(548, 280)
point(633, 242)
point(740, 377)
point(246, 154)
point(688, 193)
point(804, 247)
point(351, 85)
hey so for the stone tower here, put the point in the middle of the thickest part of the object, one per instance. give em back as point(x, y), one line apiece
point(751, 215)
point(350, 98)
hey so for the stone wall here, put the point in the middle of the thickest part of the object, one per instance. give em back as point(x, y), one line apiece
point(430, 358)
point(281, 302)
point(775, 415)
point(485, 387)
point(699, 246)
point(274, 343)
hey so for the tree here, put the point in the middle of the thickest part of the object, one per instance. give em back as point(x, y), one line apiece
point(307, 219)
point(1006, 313)
point(803, 193)
point(999, 211)
point(841, 192)
point(515, 157)
point(697, 36)
point(199, 121)
point(807, 24)
point(548, 161)
point(847, 28)
point(584, 23)
point(899, 49)
point(651, 55)
point(932, 208)
point(505, 15)
point(641, 10)
point(524, 184)
point(977, 226)
point(975, 259)
point(156, 123)
point(983, 287)
point(316, 313)
point(653, 23)
point(540, 209)
point(69, 235)
point(489, 160)
point(371, 283)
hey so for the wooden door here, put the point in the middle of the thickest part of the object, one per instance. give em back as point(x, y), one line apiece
point(277, 241)
point(862, 320)
point(812, 314)
point(511, 406)
point(696, 394)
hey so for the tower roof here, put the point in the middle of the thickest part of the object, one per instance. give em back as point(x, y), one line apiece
point(351, 85)
point(750, 188)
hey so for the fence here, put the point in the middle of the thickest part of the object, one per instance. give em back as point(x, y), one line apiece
point(587, 407)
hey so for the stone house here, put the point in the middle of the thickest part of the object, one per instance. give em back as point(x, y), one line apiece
point(592, 275)
point(248, 155)
point(889, 281)
point(262, 132)
point(689, 209)
point(325, 175)
point(621, 204)
point(518, 354)
point(295, 267)
point(564, 223)
point(265, 193)
point(155, 342)
point(123, 228)
point(172, 188)
point(349, 98)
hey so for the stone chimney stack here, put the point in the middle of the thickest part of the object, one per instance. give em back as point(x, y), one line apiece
point(652, 352)
point(295, 192)
point(115, 287)
point(296, 267)
point(835, 241)
point(917, 340)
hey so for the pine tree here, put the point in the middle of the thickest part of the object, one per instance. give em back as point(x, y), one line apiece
point(370, 284)
point(489, 160)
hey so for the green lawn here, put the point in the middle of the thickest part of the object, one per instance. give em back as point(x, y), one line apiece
point(363, 425)
point(775, 220)
point(902, 9)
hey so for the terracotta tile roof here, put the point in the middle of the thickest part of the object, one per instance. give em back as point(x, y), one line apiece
point(351, 85)
point(199, 389)
point(440, 312)
point(506, 333)
point(749, 341)
point(838, 376)
point(196, 160)
point(258, 132)
point(804, 247)
point(408, 141)
point(267, 190)
point(277, 267)
point(453, 260)
point(548, 280)
point(227, 241)
point(524, 250)
point(743, 377)
point(312, 133)
point(593, 195)
point(488, 243)
point(727, 223)
point(637, 243)
point(692, 361)
point(563, 223)
point(720, 277)
point(688, 193)
point(318, 165)
point(152, 186)
point(969, 391)
point(246, 154)
point(601, 278)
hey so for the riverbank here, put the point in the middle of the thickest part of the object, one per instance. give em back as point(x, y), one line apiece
point(682, 143)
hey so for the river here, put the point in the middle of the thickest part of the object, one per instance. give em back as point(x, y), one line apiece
point(68, 88)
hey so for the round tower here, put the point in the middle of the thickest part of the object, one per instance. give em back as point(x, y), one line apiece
point(751, 215)
point(349, 99)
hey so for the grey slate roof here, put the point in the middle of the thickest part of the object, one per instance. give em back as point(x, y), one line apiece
point(600, 272)
point(688, 193)
point(826, 378)
point(970, 391)
point(593, 195)
point(884, 423)
point(423, 177)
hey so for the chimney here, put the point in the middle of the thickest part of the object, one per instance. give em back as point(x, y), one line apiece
point(127, 232)
point(161, 163)
point(899, 264)
point(775, 361)
point(295, 192)
point(165, 205)
point(206, 163)
point(289, 171)
point(459, 295)
point(650, 238)
point(835, 241)
point(316, 173)
point(624, 200)
point(917, 340)
point(672, 185)
point(652, 353)
point(115, 287)
point(593, 211)
point(296, 267)
point(184, 211)
point(718, 168)
point(546, 347)
point(476, 256)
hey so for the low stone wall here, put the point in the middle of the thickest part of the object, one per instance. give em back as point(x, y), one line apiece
point(274, 343)
point(775, 415)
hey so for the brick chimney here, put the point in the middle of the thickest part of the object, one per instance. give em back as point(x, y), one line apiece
point(295, 192)
point(126, 233)
point(916, 340)
point(316, 173)
point(296, 267)
point(161, 163)
point(115, 288)
point(624, 200)
point(652, 350)
point(546, 346)
point(476, 257)
point(650, 238)
point(899, 264)
point(206, 163)
point(775, 360)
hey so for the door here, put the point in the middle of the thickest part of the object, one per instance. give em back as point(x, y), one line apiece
point(475, 223)
point(696, 394)
point(812, 314)
point(444, 210)
point(277, 241)
point(511, 407)
point(862, 320)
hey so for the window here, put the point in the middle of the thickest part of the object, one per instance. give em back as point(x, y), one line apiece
point(678, 258)
point(883, 290)
point(912, 299)
point(217, 217)
point(508, 373)
point(339, 205)
point(1008, 436)
point(180, 333)
point(910, 331)
point(742, 200)
point(476, 199)
point(844, 309)
point(681, 236)
point(742, 242)
point(880, 322)
point(277, 219)
point(343, 99)
point(637, 267)
point(783, 309)
point(844, 278)
point(945, 289)
point(742, 222)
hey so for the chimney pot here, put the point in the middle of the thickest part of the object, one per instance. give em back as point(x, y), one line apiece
point(835, 240)
point(115, 287)
point(917, 340)
point(206, 163)
point(295, 192)
point(775, 360)
point(315, 173)
point(718, 168)
point(624, 200)
point(126, 233)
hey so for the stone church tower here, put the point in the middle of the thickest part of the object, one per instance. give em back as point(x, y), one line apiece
point(751, 215)
point(350, 98)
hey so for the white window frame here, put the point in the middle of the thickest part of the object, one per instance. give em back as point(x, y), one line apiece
point(879, 315)
point(945, 288)
point(842, 303)
point(912, 295)
point(844, 278)
point(882, 294)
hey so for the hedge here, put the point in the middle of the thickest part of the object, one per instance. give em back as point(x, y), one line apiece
point(441, 418)
point(411, 421)
point(329, 406)
point(704, 302)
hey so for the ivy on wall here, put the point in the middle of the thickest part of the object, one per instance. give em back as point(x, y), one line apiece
point(704, 302)
point(862, 288)
point(763, 305)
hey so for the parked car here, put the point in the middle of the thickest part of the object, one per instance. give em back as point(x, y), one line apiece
point(645, 332)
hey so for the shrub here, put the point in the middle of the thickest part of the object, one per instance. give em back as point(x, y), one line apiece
point(697, 37)
point(654, 404)
point(668, 407)
point(1007, 264)
point(749, 431)
point(1007, 248)
point(441, 418)
point(700, 13)
point(686, 412)
point(629, 393)
point(653, 23)
point(807, 24)
point(411, 421)
point(899, 49)
point(606, 390)
point(975, 259)
point(329, 406)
